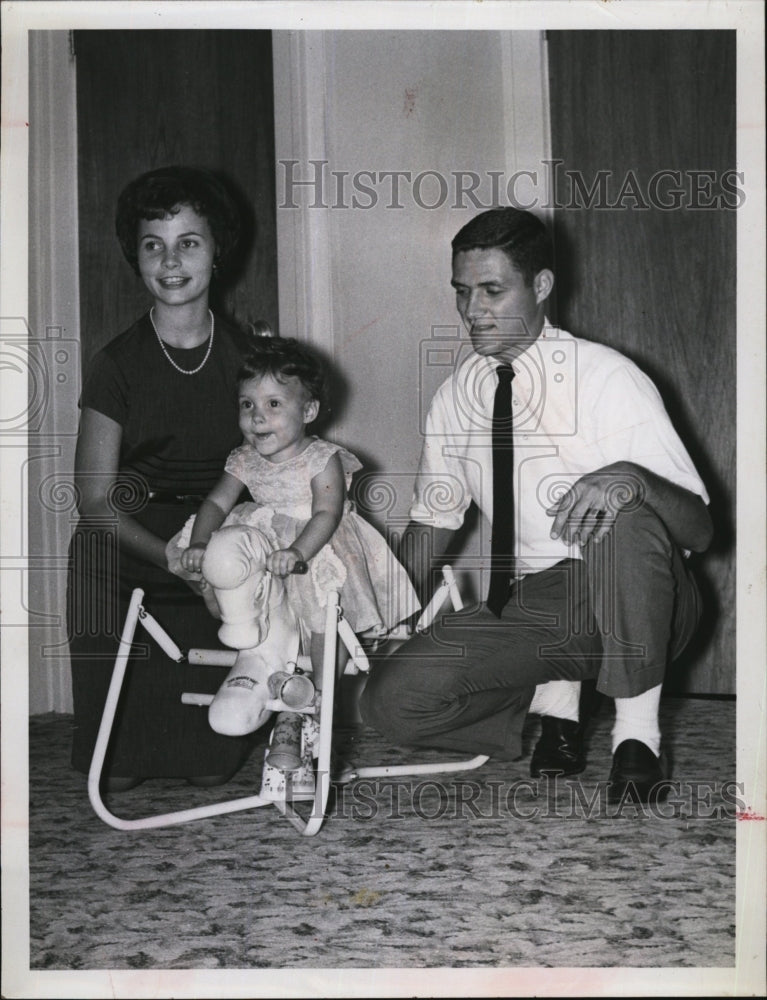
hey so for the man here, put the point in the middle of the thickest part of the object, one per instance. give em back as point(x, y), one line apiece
point(604, 506)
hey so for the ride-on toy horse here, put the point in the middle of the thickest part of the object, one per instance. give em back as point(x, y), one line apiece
point(265, 676)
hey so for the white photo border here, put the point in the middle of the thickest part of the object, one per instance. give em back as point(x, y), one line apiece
point(747, 976)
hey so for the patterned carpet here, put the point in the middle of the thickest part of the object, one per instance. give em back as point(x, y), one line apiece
point(483, 869)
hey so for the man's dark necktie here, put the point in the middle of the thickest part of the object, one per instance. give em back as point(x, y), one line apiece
point(502, 537)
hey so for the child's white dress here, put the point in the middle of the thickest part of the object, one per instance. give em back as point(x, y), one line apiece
point(374, 589)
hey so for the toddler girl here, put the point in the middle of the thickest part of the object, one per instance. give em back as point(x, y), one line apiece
point(298, 484)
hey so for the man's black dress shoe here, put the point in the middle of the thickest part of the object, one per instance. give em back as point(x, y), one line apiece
point(560, 748)
point(637, 775)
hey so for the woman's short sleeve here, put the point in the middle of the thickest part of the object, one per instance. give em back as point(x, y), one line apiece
point(105, 389)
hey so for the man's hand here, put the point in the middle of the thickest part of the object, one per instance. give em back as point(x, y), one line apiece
point(588, 510)
point(420, 550)
point(281, 562)
point(191, 558)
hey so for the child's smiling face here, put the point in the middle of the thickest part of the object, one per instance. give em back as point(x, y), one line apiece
point(274, 415)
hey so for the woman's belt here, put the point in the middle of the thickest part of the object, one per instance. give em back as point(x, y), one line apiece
point(164, 496)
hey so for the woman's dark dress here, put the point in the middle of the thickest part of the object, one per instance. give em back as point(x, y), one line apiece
point(177, 432)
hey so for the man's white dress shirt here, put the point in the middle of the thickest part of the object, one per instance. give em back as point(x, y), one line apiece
point(577, 406)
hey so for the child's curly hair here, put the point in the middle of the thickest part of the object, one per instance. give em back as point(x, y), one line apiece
point(284, 358)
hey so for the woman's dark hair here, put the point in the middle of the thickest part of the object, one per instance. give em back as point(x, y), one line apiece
point(520, 235)
point(160, 193)
point(285, 358)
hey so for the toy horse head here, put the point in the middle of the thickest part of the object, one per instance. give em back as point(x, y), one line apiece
point(257, 621)
point(235, 566)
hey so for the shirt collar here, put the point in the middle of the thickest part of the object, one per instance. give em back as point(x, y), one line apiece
point(481, 364)
point(475, 379)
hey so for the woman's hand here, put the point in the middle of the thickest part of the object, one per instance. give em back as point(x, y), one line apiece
point(282, 562)
point(97, 461)
point(191, 558)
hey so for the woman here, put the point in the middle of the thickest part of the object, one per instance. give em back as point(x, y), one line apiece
point(158, 418)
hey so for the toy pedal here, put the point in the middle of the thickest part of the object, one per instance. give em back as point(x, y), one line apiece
point(212, 657)
point(201, 700)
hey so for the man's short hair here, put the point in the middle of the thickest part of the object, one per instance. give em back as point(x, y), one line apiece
point(520, 235)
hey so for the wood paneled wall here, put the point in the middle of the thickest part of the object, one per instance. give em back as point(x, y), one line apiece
point(654, 275)
point(147, 99)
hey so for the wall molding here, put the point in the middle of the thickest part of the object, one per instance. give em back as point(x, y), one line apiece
point(303, 233)
point(53, 314)
point(526, 108)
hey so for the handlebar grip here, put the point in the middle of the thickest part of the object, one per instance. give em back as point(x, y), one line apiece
point(300, 568)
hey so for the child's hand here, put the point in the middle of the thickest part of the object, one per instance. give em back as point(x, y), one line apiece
point(191, 558)
point(282, 561)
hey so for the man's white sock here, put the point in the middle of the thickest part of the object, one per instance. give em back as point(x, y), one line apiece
point(557, 698)
point(637, 719)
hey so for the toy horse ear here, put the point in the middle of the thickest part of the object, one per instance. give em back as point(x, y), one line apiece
point(257, 546)
point(261, 590)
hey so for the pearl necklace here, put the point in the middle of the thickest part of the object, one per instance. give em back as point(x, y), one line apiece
point(178, 368)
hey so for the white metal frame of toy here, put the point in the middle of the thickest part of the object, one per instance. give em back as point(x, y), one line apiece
point(336, 627)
